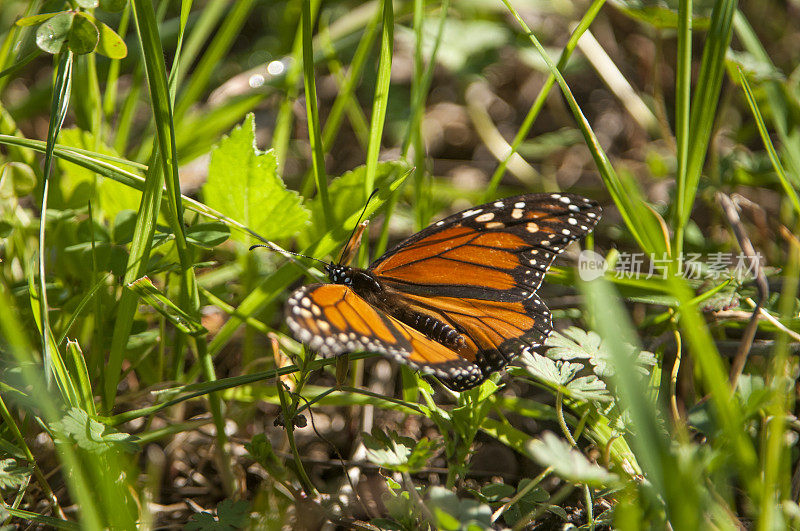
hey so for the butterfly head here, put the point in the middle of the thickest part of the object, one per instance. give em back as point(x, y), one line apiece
point(362, 281)
point(339, 274)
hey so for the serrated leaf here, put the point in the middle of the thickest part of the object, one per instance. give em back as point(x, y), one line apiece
point(575, 343)
point(87, 4)
point(398, 453)
point(54, 32)
point(12, 475)
point(567, 462)
point(557, 373)
point(588, 388)
point(110, 43)
point(243, 184)
point(91, 435)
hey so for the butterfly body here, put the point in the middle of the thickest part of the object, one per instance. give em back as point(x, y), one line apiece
point(367, 286)
point(458, 299)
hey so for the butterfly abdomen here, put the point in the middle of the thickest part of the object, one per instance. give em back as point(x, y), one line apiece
point(432, 327)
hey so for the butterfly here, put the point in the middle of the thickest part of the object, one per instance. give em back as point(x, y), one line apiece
point(458, 300)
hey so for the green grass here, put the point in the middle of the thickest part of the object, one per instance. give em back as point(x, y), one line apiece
point(143, 352)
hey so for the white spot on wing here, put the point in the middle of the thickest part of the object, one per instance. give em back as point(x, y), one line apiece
point(489, 216)
point(468, 213)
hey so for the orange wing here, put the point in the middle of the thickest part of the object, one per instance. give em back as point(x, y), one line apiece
point(478, 271)
point(495, 332)
point(333, 320)
point(499, 251)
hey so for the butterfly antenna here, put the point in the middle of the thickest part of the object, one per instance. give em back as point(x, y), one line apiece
point(272, 247)
point(349, 238)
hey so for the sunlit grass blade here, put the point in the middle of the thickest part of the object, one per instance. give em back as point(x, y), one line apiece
point(714, 377)
point(541, 98)
point(138, 256)
point(17, 347)
point(650, 442)
point(312, 114)
point(704, 109)
point(777, 460)
point(791, 193)
point(215, 52)
point(683, 91)
point(775, 95)
point(180, 319)
point(637, 216)
point(58, 112)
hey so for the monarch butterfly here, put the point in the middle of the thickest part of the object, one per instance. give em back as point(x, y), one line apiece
point(457, 300)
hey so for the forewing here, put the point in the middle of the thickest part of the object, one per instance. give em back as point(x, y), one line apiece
point(499, 251)
point(333, 320)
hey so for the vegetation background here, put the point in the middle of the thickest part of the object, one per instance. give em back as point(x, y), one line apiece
point(146, 378)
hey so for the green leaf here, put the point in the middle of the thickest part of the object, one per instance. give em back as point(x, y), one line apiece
point(113, 6)
point(91, 435)
point(17, 179)
point(87, 4)
point(663, 14)
point(497, 491)
point(12, 475)
point(83, 35)
point(53, 33)
point(567, 462)
point(77, 185)
point(527, 503)
point(231, 515)
point(111, 44)
point(243, 184)
point(208, 235)
point(451, 512)
point(456, 52)
point(394, 452)
point(261, 451)
point(34, 19)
